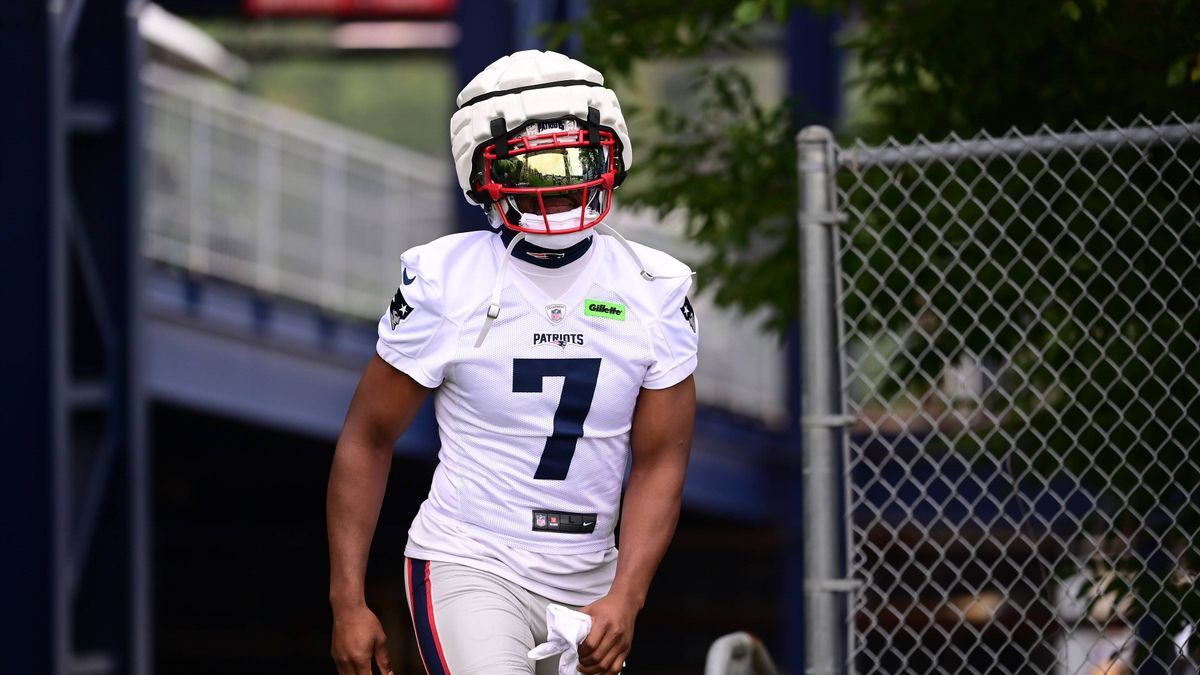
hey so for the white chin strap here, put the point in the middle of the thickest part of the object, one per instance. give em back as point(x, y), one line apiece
point(601, 227)
point(565, 220)
point(497, 287)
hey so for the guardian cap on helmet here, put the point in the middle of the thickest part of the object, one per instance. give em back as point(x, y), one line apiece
point(540, 143)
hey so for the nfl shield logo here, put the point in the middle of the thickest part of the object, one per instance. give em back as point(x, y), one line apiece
point(540, 520)
point(556, 313)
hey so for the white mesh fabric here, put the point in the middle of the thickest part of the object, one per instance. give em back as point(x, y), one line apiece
point(493, 438)
point(484, 491)
point(414, 333)
point(675, 339)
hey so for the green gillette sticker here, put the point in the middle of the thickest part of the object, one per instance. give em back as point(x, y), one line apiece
point(603, 309)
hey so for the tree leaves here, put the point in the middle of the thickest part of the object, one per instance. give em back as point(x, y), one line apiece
point(747, 12)
point(928, 68)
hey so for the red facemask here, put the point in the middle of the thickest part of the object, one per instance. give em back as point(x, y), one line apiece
point(552, 173)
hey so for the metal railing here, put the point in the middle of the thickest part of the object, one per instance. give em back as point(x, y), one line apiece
point(251, 193)
point(1019, 335)
point(256, 194)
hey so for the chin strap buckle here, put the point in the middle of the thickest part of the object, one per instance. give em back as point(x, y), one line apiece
point(500, 135)
point(493, 310)
point(593, 126)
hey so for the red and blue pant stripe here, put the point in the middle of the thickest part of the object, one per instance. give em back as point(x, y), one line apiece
point(420, 600)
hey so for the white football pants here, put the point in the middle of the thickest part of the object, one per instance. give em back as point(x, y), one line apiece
point(471, 622)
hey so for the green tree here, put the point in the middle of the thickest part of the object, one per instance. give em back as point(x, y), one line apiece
point(941, 67)
point(923, 67)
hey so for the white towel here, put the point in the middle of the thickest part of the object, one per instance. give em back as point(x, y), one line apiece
point(565, 631)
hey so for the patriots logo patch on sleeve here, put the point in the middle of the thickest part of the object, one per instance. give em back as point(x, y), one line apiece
point(399, 309)
point(689, 314)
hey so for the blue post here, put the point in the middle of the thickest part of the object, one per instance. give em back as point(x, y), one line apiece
point(814, 67)
point(29, 135)
point(74, 480)
point(486, 34)
point(106, 522)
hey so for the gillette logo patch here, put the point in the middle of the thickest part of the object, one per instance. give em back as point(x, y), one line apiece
point(604, 310)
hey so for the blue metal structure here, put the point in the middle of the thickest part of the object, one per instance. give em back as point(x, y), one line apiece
point(81, 575)
point(31, 144)
point(225, 350)
point(487, 33)
point(814, 66)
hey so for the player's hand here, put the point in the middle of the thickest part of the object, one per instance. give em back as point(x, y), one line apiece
point(604, 650)
point(357, 636)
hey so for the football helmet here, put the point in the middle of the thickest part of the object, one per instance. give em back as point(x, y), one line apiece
point(540, 144)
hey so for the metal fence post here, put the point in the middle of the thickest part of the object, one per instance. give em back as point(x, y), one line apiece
point(822, 420)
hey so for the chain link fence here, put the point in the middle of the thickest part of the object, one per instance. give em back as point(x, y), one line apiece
point(1020, 338)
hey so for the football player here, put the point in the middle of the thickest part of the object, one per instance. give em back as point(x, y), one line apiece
point(561, 357)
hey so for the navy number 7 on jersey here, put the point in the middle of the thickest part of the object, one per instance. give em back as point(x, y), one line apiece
point(579, 386)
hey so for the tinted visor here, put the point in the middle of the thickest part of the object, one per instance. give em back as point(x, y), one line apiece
point(552, 167)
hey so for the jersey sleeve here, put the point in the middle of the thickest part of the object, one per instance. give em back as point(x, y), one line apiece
point(675, 338)
point(415, 336)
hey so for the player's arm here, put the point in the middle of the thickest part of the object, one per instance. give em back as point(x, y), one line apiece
point(384, 404)
point(661, 439)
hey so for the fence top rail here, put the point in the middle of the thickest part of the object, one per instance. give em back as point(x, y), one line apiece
point(861, 156)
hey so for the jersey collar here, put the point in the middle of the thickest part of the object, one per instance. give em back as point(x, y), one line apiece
point(573, 296)
point(545, 257)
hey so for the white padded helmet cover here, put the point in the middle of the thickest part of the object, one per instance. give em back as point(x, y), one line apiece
point(471, 126)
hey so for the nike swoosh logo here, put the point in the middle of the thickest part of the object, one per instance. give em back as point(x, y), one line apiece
point(586, 524)
point(407, 279)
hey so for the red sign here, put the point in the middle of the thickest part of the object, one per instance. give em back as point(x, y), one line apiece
point(393, 9)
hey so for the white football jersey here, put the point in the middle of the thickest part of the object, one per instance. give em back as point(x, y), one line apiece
point(534, 423)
